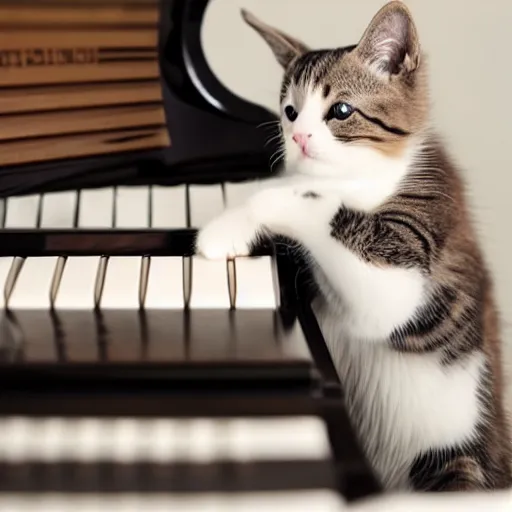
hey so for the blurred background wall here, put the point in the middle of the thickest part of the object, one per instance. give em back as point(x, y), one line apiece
point(468, 44)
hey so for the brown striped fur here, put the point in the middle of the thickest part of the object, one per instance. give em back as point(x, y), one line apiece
point(426, 224)
point(430, 226)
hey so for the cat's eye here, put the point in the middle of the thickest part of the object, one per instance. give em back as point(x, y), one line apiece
point(291, 113)
point(340, 111)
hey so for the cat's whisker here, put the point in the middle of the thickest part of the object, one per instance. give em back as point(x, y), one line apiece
point(274, 159)
point(278, 136)
point(267, 123)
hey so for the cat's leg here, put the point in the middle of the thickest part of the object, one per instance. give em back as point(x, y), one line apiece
point(442, 471)
point(295, 211)
point(355, 248)
point(483, 464)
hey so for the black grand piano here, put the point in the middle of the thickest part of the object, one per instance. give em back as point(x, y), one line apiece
point(129, 364)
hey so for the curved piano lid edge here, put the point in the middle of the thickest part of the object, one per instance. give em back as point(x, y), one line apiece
point(215, 95)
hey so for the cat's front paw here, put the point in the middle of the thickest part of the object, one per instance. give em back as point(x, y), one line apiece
point(229, 235)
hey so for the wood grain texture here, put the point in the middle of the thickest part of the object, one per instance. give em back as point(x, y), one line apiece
point(58, 147)
point(71, 72)
point(62, 16)
point(76, 3)
point(100, 37)
point(78, 96)
point(91, 120)
point(77, 73)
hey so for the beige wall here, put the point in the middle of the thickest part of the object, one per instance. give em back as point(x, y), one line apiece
point(469, 45)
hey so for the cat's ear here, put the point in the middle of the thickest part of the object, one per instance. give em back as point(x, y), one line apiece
point(390, 44)
point(285, 47)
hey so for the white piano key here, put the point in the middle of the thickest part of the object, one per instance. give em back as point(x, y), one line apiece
point(206, 202)
point(22, 211)
point(299, 500)
point(91, 440)
point(254, 276)
point(33, 286)
point(121, 450)
point(58, 210)
point(238, 193)
point(54, 433)
point(209, 288)
point(121, 288)
point(198, 441)
point(132, 207)
point(278, 438)
point(195, 440)
point(19, 431)
point(77, 285)
point(165, 283)
point(168, 207)
point(5, 267)
point(256, 283)
point(96, 208)
point(163, 438)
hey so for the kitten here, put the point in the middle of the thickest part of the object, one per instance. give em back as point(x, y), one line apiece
point(406, 302)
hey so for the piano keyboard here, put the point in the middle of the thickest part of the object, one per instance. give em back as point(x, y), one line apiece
point(87, 331)
point(98, 306)
point(132, 282)
point(298, 501)
point(156, 206)
point(172, 456)
point(162, 441)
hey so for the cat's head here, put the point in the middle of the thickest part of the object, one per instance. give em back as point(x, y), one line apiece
point(344, 108)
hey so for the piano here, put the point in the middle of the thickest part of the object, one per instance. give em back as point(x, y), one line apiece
point(127, 363)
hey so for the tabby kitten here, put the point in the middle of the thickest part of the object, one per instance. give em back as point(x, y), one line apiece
point(406, 302)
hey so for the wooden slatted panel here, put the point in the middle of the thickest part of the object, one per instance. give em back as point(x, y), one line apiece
point(79, 73)
point(53, 148)
point(92, 3)
point(65, 16)
point(62, 123)
point(72, 96)
point(65, 38)
point(82, 74)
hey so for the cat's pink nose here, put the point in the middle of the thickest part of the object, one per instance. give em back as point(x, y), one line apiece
point(302, 140)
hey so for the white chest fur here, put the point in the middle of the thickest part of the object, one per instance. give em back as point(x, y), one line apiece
point(402, 404)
